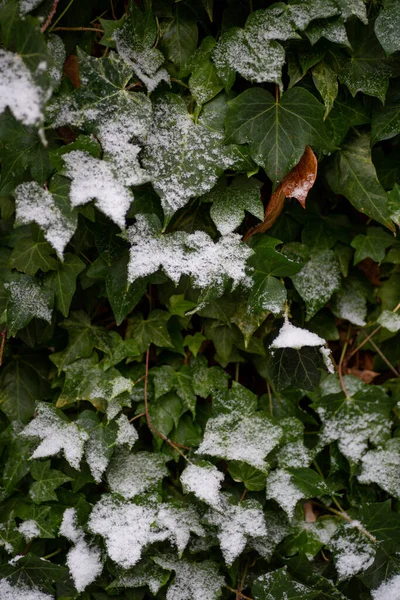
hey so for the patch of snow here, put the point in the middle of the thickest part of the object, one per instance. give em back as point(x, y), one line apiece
point(389, 590)
point(20, 592)
point(127, 434)
point(281, 488)
point(353, 552)
point(389, 320)
point(295, 337)
point(29, 529)
point(28, 296)
point(204, 482)
point(132, 474)
point(193, 581)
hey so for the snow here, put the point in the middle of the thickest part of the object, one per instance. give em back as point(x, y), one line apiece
point(382, 467)
point(20, 592)
point(350, 302)
point(25, 6)
point(389, 320)
point(236, 524)
point(196, 255)
point(295, 454)
point(84, 561)
point(28, 296)
point(94, 179)
point(353, 552)
point(36, 205)
point(29, 529)
point(128, 528)
point(204, 481)
point(18, 90)
point(281, 488)
point(132, 474)
point(237, 437)
point(184, 158)
point(56, 435)
point(193, 581)
point(389, 590)
point(295, 337)
point(127, 434)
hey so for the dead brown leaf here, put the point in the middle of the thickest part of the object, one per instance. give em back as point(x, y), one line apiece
point(364, 374)
point(296, 184)
point(71, 70)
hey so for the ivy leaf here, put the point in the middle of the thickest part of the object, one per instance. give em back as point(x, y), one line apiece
point(386, 119)
point(230, 203)
point(333, 30)
point(350, 302)
point(46, 481)
point(373, 245)
point(26, 300)
point(318, 280)
point(204, 82)
point(255, 117)
point(299, 368)
point(252, 479)
point(355, 420)
point(380, 467)
point(152, 330)
point(352, 173)
point(325, 80)
point(100, 445)
point(366, 69)
point(196, 578)
point(31, 570)
point(267, 292)
point(185, 158)
point(21, 152)
point(123, 296)
point(144, 573)
point(63, 282)
point(279, 583)
point(179, 41)
point(32, 254)
point(386, 23)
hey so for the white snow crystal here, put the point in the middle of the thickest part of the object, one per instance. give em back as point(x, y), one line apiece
point(19, 92)
point(29, 529)
point(94, 179)
point(295, 337)
point(389, 590)
point(84, 561)
point(28, 296)
point(383, 467)
point(389, 320)
point(56, 434)
point(33, 204)
point(132, 474)
point(26, 6)
point(193, 581)
point(236, 524)
point(353, 552)
point(196, 255)
point(281, 488)
point(204, 482)
point(127, 434)
point(20, 592)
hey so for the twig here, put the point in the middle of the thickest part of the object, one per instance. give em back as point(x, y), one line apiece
point(370, 335)
point(340, 366)
point(243, 496)
point(383, 357)
point(343, 514)
point(137, 417)
point(96, 29)
point(237, 592)
point(2, 345)
point(62, 14)
point(242, 582)
point(113, 11)
point(174, 445)
point(50, 17)
point(271, 406)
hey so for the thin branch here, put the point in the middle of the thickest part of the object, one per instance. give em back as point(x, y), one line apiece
point(370, 335)
point(383, 357)
point(237, 592)
point(2, 345)
point(153, 429)
point(62, 14)
point(50, 17)
point(343, 514)
point(137, 417)
point(340, 366)
point(242, 582)
point(113, 11)
point(96, 29)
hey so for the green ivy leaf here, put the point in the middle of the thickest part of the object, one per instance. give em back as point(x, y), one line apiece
point(32, 254)
point(325, 80)
point(279, 583)
point(179, 41)
point(373, 245)
point(277, 132)
point(46, 481)
point(152, 330)
point(352, 173)
point(386, 119)
point(31, 570)
point(298, 368)
point(386, 24)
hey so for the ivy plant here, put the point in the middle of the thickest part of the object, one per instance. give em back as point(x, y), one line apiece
point(199, 286)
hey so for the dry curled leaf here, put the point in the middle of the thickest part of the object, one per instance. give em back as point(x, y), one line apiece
point(71, 70)
point(296, 184)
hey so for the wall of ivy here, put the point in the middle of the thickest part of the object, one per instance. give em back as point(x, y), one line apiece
point(199, 285)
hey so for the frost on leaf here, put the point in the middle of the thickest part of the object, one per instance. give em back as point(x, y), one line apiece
point(318, 280)
point(184, 158)
point(133, 474)
point(193, 581)
point(20, 592)
point(19, 92)
point(128, 528)
point(204, 481)
point(382, 467)
point(280, 487)
point(350, 302)
point(353, 551)
point(354, 421)
point(236, 525)
point(83, 560)
point(29, 529)
point(253, 51)
point(127, 434)
point(389, 320)
point(26, 300)
point(57, 434)
point(236, 437)
point(94, 179)
point(208, 263)
point(33, 204)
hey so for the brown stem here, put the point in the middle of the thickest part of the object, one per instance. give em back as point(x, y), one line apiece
point(242, 582)
point(2, 345)
point(340, 368)
point(383, 357)
point(113, 11)
point(50, 17)
point(370, 335)
point(161, 435)
point(96, 29)
point(237, 592)
point(341, 513)
point(137, 417)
